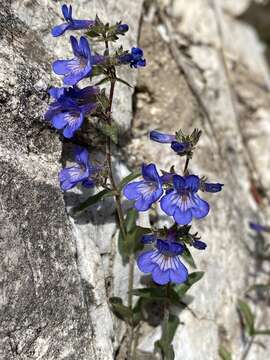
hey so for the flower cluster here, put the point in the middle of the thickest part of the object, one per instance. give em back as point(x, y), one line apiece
point(82, 104)
point(179, 199)
point(71, 105)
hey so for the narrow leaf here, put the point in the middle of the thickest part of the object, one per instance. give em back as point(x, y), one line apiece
point(247, 316)
point(181, 289)
point(224, 354)
point(120, 310)
point(124, 82)
point(110, 130)
point(128, 178)
point(130, 220)
point(102, 81)
point(158, 293)
point(188, 257)
point(262, 332)
point(92, 200)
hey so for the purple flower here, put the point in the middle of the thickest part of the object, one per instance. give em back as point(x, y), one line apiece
point(182, 202)
point(70, 108)
point(178, 147)
point(135, 58)
point(259, 227)
point(71, 24)
point(80, 173)
point(211, 187)
point(147, 191)
point(200, 245)
point(122, 28)
point(162, 137)
point(77, 68)
point(163, 262)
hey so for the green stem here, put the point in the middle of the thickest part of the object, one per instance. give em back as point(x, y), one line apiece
point(117, 196)
point(186, 166)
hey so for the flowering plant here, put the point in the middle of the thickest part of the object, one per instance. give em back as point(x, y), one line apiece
point(166, 249)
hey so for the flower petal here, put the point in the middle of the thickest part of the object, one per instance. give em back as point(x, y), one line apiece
point(200, 207)
point(132, 190)
point(144, 261)
point(168, 202)
point(72, 127)
point(179, 273)
point(176, 248)
point(159, 276)
point(59, 120)
point(59, 29)
point(85, 48)
point(192, 182)
point(161, 137)
point(143, 204)
point(179, 183)
point(75, 46)
point(61, 67)
point(149, 172)
point(82, 156)
point(182, 217)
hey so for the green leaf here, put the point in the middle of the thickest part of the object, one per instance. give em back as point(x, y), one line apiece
point(97, 70)
point(124, 82)
point(158, 293)
point(224, 354)
point(168, 332)
point(259, 287)
point(181, 289)
point(128, 178)
point(247, 316)
point(130, 220)
point(131, 243)
point(110, 130)
point(93, 199)
point(262, 332)
point(188, 258)
point(121, 311)
point(102, 81)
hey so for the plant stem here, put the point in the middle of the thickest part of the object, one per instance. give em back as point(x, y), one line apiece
point(186, 166)
point(118, 201)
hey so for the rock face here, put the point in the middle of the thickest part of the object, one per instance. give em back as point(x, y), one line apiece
point(206, 68)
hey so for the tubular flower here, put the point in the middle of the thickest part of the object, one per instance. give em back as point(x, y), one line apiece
point(212, 187)
point(70, 108)
point(178, 147)
point(259, 228)
point(70, 24)
point(182, 202)
point(147, 191)
point(134, 58)
point(77, 68)
point(163, 262)
point(80, 173)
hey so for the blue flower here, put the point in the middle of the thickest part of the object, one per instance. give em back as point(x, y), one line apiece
point(135, 58)
point(122, 28)
point(259, 227)
point(200, 245)
point(71, 24)
point(182, 202)
point(77, 68)
point(164, 263)
point(178, 147)
point(80, 173)
point(70, 108)
point(162, 137)
point(147, 191)
point(211, 187)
